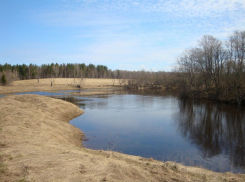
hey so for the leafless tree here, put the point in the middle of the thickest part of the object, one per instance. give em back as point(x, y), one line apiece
point(215, 70)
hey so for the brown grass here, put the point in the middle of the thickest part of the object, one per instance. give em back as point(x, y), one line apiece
point(59, 84)
point(40, 145)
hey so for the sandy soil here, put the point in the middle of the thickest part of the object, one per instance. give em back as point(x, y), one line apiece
point(59, 84)
point(37, 143)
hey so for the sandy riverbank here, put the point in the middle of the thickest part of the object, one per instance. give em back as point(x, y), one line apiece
point(38, 144)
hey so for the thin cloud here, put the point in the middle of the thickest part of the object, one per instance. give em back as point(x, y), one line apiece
point(203, 15)
point(183, 7)
point(103, 11)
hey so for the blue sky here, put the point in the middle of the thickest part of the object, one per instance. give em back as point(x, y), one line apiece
point(121, 34)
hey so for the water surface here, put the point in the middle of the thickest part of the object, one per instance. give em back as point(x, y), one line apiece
point(166, 128)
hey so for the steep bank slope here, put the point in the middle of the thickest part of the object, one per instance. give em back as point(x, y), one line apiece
point(38, 144)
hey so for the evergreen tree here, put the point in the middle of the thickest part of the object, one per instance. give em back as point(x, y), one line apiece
point(3, 79)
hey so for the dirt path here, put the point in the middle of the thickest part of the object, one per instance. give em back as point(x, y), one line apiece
point(38, 144)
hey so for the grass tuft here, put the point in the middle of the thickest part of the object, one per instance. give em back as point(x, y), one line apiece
point(2, 144)
point(3, 168)
point(21, 180)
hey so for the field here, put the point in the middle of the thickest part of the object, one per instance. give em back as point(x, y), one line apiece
point(59, 84)
point(37, 143)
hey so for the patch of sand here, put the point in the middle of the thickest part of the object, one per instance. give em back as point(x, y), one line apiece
point(38, 144)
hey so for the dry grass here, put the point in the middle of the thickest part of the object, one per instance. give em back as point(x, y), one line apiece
point(59, 84)
point(40, 145)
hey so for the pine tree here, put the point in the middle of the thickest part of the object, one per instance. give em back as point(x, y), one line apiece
point(3, 79)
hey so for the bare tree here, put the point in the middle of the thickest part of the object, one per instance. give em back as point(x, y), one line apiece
point(215, 70)
point(235, 66)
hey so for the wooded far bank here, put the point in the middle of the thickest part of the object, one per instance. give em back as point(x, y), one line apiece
point(23, 72)
point(214, 69)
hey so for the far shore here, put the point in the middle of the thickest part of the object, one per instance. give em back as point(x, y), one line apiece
point(59, 84)
point(37, 143)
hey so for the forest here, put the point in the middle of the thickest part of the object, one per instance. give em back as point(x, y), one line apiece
point(214, 70)
point(52, 70)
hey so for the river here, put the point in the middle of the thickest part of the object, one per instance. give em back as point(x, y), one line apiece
point(164, 127)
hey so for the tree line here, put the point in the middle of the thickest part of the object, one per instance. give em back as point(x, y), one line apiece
point(32, 71)
point(214, 69)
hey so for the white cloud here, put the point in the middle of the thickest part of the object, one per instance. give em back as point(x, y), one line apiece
point(106, 12)
point(209, 16)
point(186, 7)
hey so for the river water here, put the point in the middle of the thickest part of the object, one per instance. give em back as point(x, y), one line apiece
point(164, 127)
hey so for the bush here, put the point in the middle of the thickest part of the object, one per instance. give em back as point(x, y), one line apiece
point(3, 79)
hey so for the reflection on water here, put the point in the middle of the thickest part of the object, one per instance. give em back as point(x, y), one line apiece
point(75, 100)
point(161, 126)
point(216, 129)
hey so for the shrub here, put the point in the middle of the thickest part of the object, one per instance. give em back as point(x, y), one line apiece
point(3, 79)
